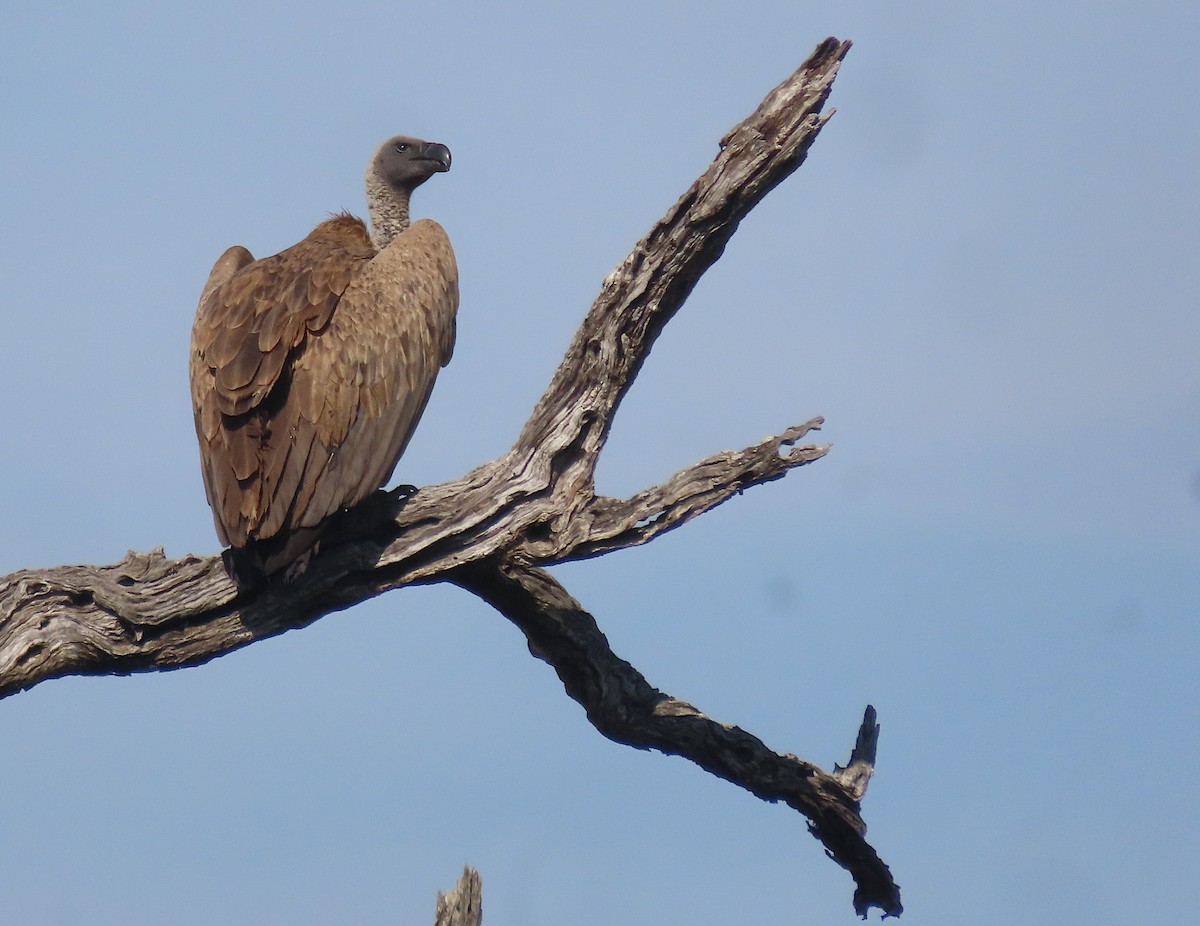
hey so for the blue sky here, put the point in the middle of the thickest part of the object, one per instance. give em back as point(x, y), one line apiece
point(985, 277)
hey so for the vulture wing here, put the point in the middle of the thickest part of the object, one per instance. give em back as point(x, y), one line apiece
point(310, 370)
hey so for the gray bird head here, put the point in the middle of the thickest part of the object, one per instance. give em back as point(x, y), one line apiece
point(398, 167)
point(404, 163)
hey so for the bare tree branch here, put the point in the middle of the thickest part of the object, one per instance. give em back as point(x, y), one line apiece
point(615, 524)
point(462, 906)
point(627, 709)
point(489, 530)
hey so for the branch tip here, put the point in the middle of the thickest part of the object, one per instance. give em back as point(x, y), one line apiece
point(857, 774)
point(462, 906)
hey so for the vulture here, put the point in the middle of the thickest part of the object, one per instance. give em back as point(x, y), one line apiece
point(310, 369)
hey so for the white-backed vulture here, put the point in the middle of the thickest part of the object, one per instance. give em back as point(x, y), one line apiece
point(310, 369)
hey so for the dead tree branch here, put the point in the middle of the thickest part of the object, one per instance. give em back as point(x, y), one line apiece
point(462, 906)
point(490, 530)
point(627, 709)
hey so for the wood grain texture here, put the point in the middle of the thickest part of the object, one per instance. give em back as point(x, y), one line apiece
point(492, 530)
point(462, 906)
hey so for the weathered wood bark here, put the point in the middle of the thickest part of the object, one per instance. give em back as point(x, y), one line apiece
point(462, 906)
point(626, 708)
point(491, 530)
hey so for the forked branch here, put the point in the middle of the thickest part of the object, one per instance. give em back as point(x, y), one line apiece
point(492, 529)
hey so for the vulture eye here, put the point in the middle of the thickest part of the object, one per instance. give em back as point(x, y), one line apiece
point(401, 147)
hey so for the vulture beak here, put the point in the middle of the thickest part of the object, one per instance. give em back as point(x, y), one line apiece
point(438, 153)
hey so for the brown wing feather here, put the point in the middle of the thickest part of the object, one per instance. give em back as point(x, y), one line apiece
point(252, 317)
point(204, 405)
point(310, 370)
point(379, 357)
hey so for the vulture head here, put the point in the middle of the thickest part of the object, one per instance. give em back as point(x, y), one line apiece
point(399, 166)
point(405, 162)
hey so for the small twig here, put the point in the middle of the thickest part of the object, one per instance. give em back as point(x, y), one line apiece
point(857, 774)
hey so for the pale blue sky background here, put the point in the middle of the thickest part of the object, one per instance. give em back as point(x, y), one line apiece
point(985, 277)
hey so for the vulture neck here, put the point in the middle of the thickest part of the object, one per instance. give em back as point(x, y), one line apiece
point(388, 208)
